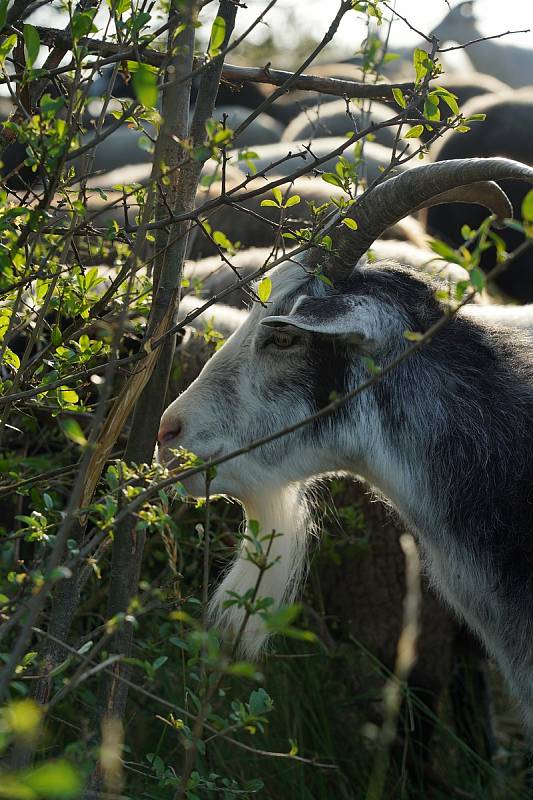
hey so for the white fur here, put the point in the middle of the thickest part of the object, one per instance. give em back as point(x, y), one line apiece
point(284, 525)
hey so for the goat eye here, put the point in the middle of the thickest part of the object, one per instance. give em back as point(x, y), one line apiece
point(281, 339)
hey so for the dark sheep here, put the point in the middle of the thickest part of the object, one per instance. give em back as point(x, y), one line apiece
point(505, 132)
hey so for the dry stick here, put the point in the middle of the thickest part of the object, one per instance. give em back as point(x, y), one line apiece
point(481, 39)
point(236, 74)
point(405, 660)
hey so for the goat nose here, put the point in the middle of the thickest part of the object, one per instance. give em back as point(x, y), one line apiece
point(169, 431)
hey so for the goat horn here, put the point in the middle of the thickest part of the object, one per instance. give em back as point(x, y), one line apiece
point(464, 180)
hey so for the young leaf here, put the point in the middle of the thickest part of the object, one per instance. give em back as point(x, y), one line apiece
point(422, 64)
point(264, 289)
point(32, 43)
point(292, 201)
point(527, 206)
point(449, 98)
point(144, 84)
point(399, 97)
point(73, 431)
point(350, 223)
point(277, 195)
point(414, 132)
point(218, 33)
point(7, 46)
point(330, 177)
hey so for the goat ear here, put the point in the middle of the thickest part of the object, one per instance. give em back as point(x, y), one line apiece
point(467, 9)
point(339, 316)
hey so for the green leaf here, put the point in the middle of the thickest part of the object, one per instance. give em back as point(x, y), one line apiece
point(3, 12)
point(218, 34)
point(277, 195)
point(422, 64)
point(51, 105)
point(11, 358)
point(477, 279)
point(449, 98)
point(446, 252)
point(66, 395)
point(527, 206)
point(119, 6)
point(73, 431)
point(414, 132)
point(399, 97)
point(269, 203)
point(350, 223)
point(56, 336)
point(32, 43)
point(264, 289)
point(259, 702)
point(244, 669)
point(293, 201)
point(7, 46)
point(330, 177)
point(431, 108)
point(82, 23)
point(144, 84)
point(56, 779)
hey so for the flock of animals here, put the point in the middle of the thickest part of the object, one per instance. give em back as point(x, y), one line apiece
point(446, 437)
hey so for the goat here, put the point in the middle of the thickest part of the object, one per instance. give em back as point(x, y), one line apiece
point(509, 63)
point(446, 433)
point(209, 276)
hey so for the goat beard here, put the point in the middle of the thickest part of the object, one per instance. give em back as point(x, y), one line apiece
point(285, 524)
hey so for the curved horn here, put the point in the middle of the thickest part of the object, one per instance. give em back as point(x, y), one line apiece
point(463, 180)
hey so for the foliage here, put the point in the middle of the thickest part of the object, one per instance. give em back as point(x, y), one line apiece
point(79, 265)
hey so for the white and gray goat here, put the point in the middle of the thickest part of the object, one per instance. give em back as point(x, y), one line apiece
point(446, 435)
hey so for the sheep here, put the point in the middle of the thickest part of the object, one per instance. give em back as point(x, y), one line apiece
point(445, 432)
point(509, 63)
point(505, 132)
point(472, 84)
point(209, 276)
point(376, 156)
point(264, 129)
point(289, 105)
point(332, 119)
point(122, 147)
point(260, 228)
